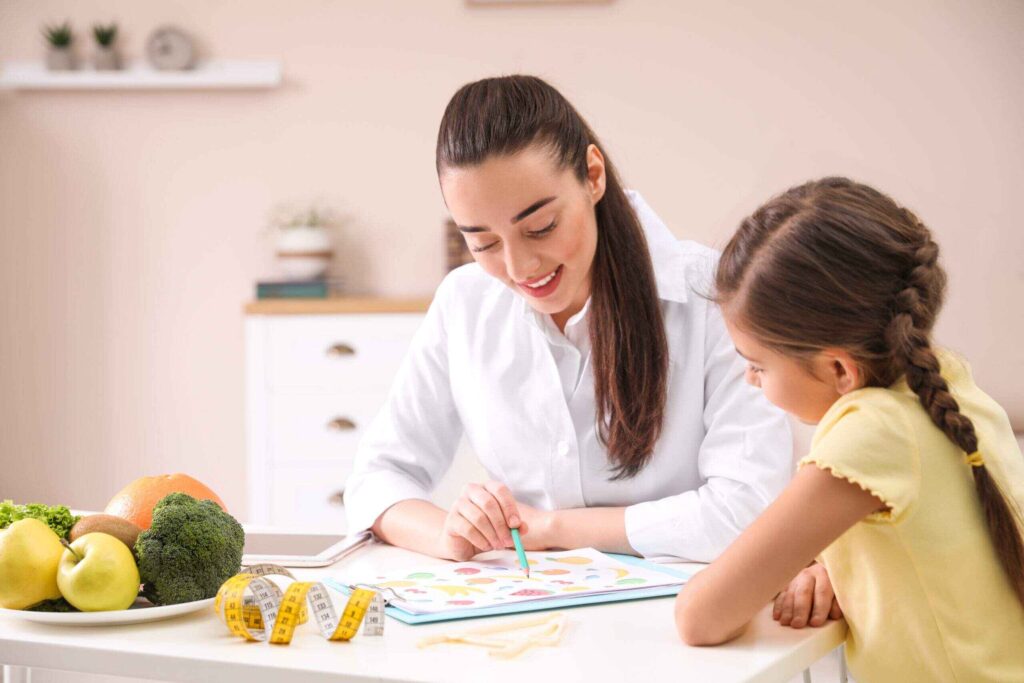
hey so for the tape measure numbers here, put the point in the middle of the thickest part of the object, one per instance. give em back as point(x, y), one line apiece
point(247, 602)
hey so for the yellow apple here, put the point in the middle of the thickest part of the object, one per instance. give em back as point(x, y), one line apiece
point(97, 573)
point(29, 554)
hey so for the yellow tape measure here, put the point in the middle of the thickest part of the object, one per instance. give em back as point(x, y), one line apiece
point(247, 602)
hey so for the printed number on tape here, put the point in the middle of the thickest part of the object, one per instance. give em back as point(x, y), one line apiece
point(247, 602)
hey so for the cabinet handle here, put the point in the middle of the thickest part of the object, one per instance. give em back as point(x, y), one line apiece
point(337, 498)
point(342, 424)
point(341, 349)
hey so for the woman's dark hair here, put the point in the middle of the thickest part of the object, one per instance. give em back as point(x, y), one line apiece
point(502, 116)
point(833, 263)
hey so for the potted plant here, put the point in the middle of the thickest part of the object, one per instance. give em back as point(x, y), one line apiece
point(303, 241)
point(59, 56)
point(106, 57)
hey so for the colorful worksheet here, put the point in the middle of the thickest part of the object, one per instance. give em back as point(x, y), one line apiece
point(499, 580)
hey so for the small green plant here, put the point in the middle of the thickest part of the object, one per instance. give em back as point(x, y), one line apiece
point(105, 35)
point(59, 35)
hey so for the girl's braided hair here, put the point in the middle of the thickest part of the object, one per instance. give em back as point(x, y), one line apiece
point(834, 263)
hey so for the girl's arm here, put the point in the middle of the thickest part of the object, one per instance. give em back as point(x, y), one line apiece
point(815, 509)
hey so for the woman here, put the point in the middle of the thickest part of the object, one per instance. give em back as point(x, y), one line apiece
point(600, 392)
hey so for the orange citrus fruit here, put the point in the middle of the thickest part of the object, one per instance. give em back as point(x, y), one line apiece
point(135, 502)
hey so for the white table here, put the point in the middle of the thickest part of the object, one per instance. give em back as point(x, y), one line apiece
point(613, 642)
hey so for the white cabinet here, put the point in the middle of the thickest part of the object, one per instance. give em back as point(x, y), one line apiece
point(314, 383)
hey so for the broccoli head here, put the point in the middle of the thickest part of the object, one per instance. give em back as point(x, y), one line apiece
point(191, 549)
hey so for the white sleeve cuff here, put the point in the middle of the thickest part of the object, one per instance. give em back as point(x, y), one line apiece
point(665, 528)
point(371, 495)
point(696, 525)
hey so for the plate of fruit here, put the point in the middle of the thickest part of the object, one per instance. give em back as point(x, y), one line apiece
point(162, 548)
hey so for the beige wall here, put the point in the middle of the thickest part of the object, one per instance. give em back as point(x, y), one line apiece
point(130, 221)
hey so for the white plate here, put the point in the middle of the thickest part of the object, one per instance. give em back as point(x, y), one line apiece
point(142, 610)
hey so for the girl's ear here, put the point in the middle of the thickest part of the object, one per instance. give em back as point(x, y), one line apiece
point(843, 372)
point(595, 173)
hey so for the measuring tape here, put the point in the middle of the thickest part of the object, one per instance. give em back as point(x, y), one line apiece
point(247, 602)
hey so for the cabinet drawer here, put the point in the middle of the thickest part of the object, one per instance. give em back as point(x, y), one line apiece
point(308, 498)
point(319, 427)
point(346, 353)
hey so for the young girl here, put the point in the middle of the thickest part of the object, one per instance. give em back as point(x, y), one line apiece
point(602, 396)
point(913, 487)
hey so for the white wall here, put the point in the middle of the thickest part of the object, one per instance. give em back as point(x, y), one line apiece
point(129, 221)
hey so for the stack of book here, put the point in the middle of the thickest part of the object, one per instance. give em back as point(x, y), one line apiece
point(297, 289)
point(455, 246)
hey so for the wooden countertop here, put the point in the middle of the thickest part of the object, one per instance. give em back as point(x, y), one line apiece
point(338, 304)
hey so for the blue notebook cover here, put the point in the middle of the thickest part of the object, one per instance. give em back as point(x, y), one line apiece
point(540, 605)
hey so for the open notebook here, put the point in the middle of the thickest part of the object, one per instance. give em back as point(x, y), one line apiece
point(498, 585)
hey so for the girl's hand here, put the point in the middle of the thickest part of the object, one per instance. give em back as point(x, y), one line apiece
point(480, 521)
point(809, 599)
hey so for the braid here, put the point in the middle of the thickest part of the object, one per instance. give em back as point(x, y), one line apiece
point(834, 263)
point(907, 335)
point(922, 371)
point(908, 338)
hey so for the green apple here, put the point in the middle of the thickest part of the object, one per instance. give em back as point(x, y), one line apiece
point(29, 554)
point(97, 573)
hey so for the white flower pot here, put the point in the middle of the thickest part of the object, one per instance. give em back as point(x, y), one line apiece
point(304, 252)
point(106, 59)
point(60, 59)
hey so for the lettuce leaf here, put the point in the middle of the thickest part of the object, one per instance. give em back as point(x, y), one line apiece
point(57, 517)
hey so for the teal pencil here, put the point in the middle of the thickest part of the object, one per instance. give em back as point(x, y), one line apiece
point(519, 551)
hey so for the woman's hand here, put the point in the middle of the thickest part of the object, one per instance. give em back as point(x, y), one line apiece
point(480, 521)
point(537, 530)
point(808, 599)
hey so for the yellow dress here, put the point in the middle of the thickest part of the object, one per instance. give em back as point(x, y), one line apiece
point(920, 584)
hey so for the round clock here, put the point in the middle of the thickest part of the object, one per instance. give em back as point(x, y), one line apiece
point(170, 49)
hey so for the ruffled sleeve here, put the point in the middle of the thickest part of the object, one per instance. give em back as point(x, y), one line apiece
point(866, 439)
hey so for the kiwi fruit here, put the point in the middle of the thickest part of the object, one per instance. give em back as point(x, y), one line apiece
point(119, 528)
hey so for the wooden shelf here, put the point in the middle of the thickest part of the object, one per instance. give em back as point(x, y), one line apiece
point(210, 75)
point(335, 305)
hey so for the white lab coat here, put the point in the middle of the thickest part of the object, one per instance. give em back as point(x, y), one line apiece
point(483, 363)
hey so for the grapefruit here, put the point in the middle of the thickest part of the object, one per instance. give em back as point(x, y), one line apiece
point(135, 502)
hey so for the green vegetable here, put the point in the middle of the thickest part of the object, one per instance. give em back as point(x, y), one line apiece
point(190, 550)
point(57, 517)
point(58, 605)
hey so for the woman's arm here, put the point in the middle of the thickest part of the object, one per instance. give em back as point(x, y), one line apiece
point(600, 528)
point(411, 443)
point(477, 522)
point(814, 510)
point(745, 456)
point(413, 524)
point(480, 519)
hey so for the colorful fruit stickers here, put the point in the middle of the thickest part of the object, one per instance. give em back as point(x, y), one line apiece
point(500, 581)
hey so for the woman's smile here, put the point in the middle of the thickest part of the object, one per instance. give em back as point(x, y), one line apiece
point(544, 285)
point(529, 223)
